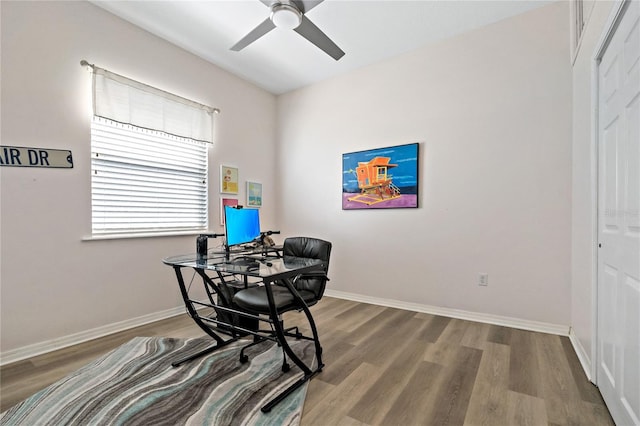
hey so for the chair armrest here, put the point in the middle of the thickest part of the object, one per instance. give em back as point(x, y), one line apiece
point(309, 275)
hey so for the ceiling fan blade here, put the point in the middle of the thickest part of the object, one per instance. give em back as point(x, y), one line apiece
point(255, 34)
point(308, 30)
point(305, 5)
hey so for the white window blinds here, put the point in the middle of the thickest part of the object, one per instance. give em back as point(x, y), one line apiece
point(146, 181)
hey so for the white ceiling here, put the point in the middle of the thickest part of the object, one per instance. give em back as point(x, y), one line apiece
point(281, 61)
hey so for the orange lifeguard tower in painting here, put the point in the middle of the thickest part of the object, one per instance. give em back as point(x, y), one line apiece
point(375, 184)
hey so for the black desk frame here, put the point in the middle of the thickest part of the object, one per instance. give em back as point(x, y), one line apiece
point(281, 275)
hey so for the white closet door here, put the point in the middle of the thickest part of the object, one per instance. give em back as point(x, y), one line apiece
point(618, 363)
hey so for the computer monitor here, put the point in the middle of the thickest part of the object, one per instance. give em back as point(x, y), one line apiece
point(241, 225)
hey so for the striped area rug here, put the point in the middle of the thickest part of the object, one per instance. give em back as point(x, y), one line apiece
point(135, 384)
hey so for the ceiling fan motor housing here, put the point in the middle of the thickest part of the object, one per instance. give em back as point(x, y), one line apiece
point(285, 15)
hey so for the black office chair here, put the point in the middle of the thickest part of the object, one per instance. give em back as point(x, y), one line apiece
point(309, 286)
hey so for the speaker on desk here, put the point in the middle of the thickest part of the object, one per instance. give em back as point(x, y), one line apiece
point(201, 245)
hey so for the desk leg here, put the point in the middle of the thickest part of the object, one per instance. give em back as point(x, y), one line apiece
point(308, 373)
point(277, 324)
point(193, 313)
point(312, 323)
point(203, 352)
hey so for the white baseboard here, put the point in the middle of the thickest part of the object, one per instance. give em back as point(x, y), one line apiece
point(543, 327)
point(40, 348)
point(29, 351)
point(583, 356)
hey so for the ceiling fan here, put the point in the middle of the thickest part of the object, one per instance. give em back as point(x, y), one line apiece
point(290, 14)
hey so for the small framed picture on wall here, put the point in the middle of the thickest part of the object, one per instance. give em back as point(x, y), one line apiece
point(226, 202)
point(254, 194)
point(228, 180)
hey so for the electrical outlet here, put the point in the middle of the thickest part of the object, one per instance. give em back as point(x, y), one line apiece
point(483, 279)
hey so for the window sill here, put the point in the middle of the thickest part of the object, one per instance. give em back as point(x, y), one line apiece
point(123, 236)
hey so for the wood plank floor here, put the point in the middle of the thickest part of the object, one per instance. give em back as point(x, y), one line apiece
point(387, 366)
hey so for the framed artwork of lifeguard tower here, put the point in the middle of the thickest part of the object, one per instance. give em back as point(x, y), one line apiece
point(382, 178)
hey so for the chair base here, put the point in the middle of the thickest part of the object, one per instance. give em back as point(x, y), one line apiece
point(257, 339)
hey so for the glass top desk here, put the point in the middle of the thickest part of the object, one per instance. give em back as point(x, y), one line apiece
point(225, 322)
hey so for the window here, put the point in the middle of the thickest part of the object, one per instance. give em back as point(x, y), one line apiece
point(146, 181)
point(149, 159)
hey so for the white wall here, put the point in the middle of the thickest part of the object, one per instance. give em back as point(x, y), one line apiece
point(492, 110)
point(583, 193)
point(54, 284)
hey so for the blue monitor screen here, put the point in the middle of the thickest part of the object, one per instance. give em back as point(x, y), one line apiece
point(241, 225)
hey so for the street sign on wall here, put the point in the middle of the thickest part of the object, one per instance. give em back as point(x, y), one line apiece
point(18, 156)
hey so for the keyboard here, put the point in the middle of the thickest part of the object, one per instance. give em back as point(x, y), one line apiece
point(244, 261)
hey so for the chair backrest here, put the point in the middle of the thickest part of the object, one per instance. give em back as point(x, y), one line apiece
point(310, 248)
